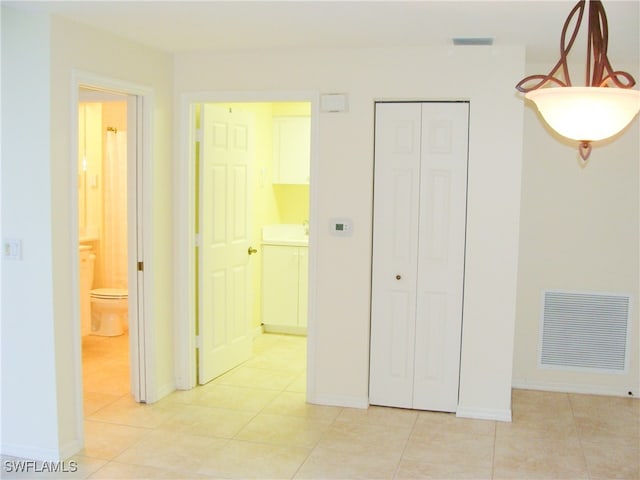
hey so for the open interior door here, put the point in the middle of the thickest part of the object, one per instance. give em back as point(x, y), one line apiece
point(224, 286)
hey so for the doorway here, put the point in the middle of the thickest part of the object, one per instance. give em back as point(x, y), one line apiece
point(252, 199)
point(103, 246)
point(91, 88)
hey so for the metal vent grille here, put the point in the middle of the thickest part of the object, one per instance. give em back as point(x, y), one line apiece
point(585, 331)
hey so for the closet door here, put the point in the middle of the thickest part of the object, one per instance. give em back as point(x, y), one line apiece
point(395, 253)
point(418, 254)
point(443, 201)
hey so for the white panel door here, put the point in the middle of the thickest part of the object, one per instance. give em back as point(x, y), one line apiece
point(224, 280)
point(443, 201)
point(395, 253)
point(418, 254)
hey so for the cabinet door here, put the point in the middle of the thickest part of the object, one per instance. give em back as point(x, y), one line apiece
point(291, 149)
point(280, 285)
point(303, 285)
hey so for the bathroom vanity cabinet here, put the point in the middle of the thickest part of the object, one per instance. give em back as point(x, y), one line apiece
point(285, 288)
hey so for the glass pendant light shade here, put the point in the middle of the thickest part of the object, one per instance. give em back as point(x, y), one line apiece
point(600, 109)
point(586, 113)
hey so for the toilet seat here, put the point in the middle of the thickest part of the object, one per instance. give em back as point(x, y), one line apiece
point(110, 293)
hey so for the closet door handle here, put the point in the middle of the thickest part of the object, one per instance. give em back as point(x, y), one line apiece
point(251, 251)
point(398, 277)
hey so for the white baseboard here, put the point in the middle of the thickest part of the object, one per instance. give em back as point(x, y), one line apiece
point(70, 449)
point(502, 415)
point(285, 329)
point(32, 453)
point(574, 388)
point(338, 401)
point(257, 331)
point(162, 392)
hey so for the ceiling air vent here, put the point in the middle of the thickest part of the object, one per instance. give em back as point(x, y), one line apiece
point(473, 41)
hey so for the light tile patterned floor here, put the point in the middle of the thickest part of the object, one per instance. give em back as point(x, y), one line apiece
point(253, 422)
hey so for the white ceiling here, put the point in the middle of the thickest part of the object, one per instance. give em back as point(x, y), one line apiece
point(180, 26)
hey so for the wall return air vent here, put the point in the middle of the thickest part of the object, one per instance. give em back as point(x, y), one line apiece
point(585, 331)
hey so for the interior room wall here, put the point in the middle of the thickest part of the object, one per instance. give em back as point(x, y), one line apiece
point(76, 47)
point(30, 422)
point(293, 203)
point(114, 114)
point(579, 232)
point(39, 55)
point(345, 187)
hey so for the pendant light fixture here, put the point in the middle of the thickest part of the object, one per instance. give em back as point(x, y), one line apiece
point(603, 107)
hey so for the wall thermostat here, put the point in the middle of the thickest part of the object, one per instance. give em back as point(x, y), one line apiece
point(341, 227)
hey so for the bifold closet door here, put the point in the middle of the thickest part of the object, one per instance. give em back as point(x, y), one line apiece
point(418, 254)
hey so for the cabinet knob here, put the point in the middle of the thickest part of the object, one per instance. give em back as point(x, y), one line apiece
point(251, 250)
point(398, 277)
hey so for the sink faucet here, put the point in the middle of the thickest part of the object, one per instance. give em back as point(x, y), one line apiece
point(305, 224)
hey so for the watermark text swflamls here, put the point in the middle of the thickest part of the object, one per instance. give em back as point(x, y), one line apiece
point(32, 466)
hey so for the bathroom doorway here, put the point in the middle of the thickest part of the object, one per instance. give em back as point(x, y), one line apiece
point(252, 169)
point(187, 298)
point(102, 222)
point(109, 238)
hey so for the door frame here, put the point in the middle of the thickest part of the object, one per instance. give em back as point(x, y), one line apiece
point(141, 355)
point(185, 284)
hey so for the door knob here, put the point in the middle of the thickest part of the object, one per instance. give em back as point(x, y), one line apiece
point(398, 277)
point(251, 250)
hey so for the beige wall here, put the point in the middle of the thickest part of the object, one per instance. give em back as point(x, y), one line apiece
point(339, 329)
point(75, 47)
point(30, 423)
point(579, 232)
point(39, 56)
point(42, 53)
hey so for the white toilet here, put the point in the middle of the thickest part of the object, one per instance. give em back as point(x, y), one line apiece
point(109, 311)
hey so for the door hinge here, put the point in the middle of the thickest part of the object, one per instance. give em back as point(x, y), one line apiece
point(198, 341)
point(140, 266)
point(198, 239)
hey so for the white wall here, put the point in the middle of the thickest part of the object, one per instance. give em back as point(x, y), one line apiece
point(77, 47)
point(579, 232)
point(40, 399)
point(344, 180)
point(29, 385)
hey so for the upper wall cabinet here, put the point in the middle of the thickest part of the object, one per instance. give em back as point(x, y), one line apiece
point(291, 149)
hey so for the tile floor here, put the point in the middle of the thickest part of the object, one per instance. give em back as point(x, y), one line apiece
point(253, 422)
